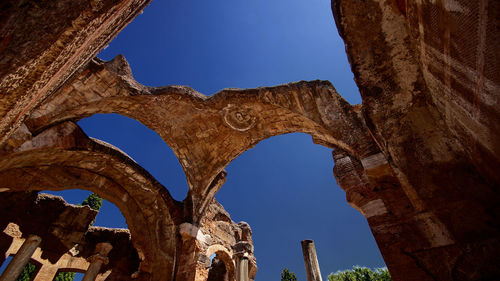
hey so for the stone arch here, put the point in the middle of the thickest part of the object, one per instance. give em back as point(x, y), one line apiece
point(214, 249)
point(110, 127)
point(63, 157)
point(226, 256)
point(207, 133)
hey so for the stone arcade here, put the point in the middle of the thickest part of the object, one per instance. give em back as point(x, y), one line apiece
point(419, 158)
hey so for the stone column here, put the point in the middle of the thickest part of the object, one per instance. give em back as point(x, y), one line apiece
point(21, 258)
point(97, 260)
point(311, 261)
point(242, 268)
point(192, 264)
point(242, 250)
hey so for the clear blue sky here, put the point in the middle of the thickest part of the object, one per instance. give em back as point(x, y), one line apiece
point(284, 187)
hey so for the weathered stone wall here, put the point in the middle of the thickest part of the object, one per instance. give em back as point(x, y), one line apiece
point(428, 76)
point(68, 239)
point(207, 133)
point(43, 43)
point(216, 234)
point(59, 224)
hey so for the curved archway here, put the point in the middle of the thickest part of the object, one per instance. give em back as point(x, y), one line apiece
point(108, 216)
point(225, 256)
point(62, 157)
point(207, 133)
point(285, 190)
point(149, 150)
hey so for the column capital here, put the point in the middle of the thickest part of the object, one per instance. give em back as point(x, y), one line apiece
point(103, 248)
point(101, 253)
point(188, 231)
point(204, 260)
point(34, 238)
point(98, 257)
point(242, 249)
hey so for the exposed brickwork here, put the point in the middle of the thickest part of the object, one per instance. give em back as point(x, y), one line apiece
point(43, 43)
point(431, 99)
point(220, 127)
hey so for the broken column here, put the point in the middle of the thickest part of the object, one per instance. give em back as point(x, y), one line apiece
point(242, 268)
point(311, 261)
point(97, 260)
point(21, 258)
point(242, 250)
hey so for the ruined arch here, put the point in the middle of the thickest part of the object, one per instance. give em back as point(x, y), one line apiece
point(121, 131)
point(63, 157)
point(207, 133)
point(429, 100)
point(213, 249)
point(226, 256)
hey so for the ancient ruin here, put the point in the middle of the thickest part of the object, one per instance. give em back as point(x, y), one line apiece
point(419, 158)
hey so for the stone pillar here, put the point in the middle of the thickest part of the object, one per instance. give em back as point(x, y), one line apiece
point(46, 272)
point(242, 268)
point(242, 250)
point(97, 260)
point(21, 258)
point(311, 261)
point(193, 263)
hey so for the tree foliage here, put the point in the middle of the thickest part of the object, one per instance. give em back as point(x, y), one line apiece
point(65, 276)
point(27, 272)
point(94, 201)
point(361, 274)
point(286, 275)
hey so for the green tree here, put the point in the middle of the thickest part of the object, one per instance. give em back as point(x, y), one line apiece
point(286, 275)
point(94, 201)
point(65, 276)
point(358, 273)
point(27, 272)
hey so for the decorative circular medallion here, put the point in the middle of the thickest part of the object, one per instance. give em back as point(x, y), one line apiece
point(238, 118)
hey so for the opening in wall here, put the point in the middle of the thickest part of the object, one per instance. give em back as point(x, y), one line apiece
point(291, 195)
point(68, 275)
point(108, 216)
point(54, 240)
point(145, 146)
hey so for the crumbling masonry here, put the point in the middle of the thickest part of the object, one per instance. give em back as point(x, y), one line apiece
point(420, 158)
